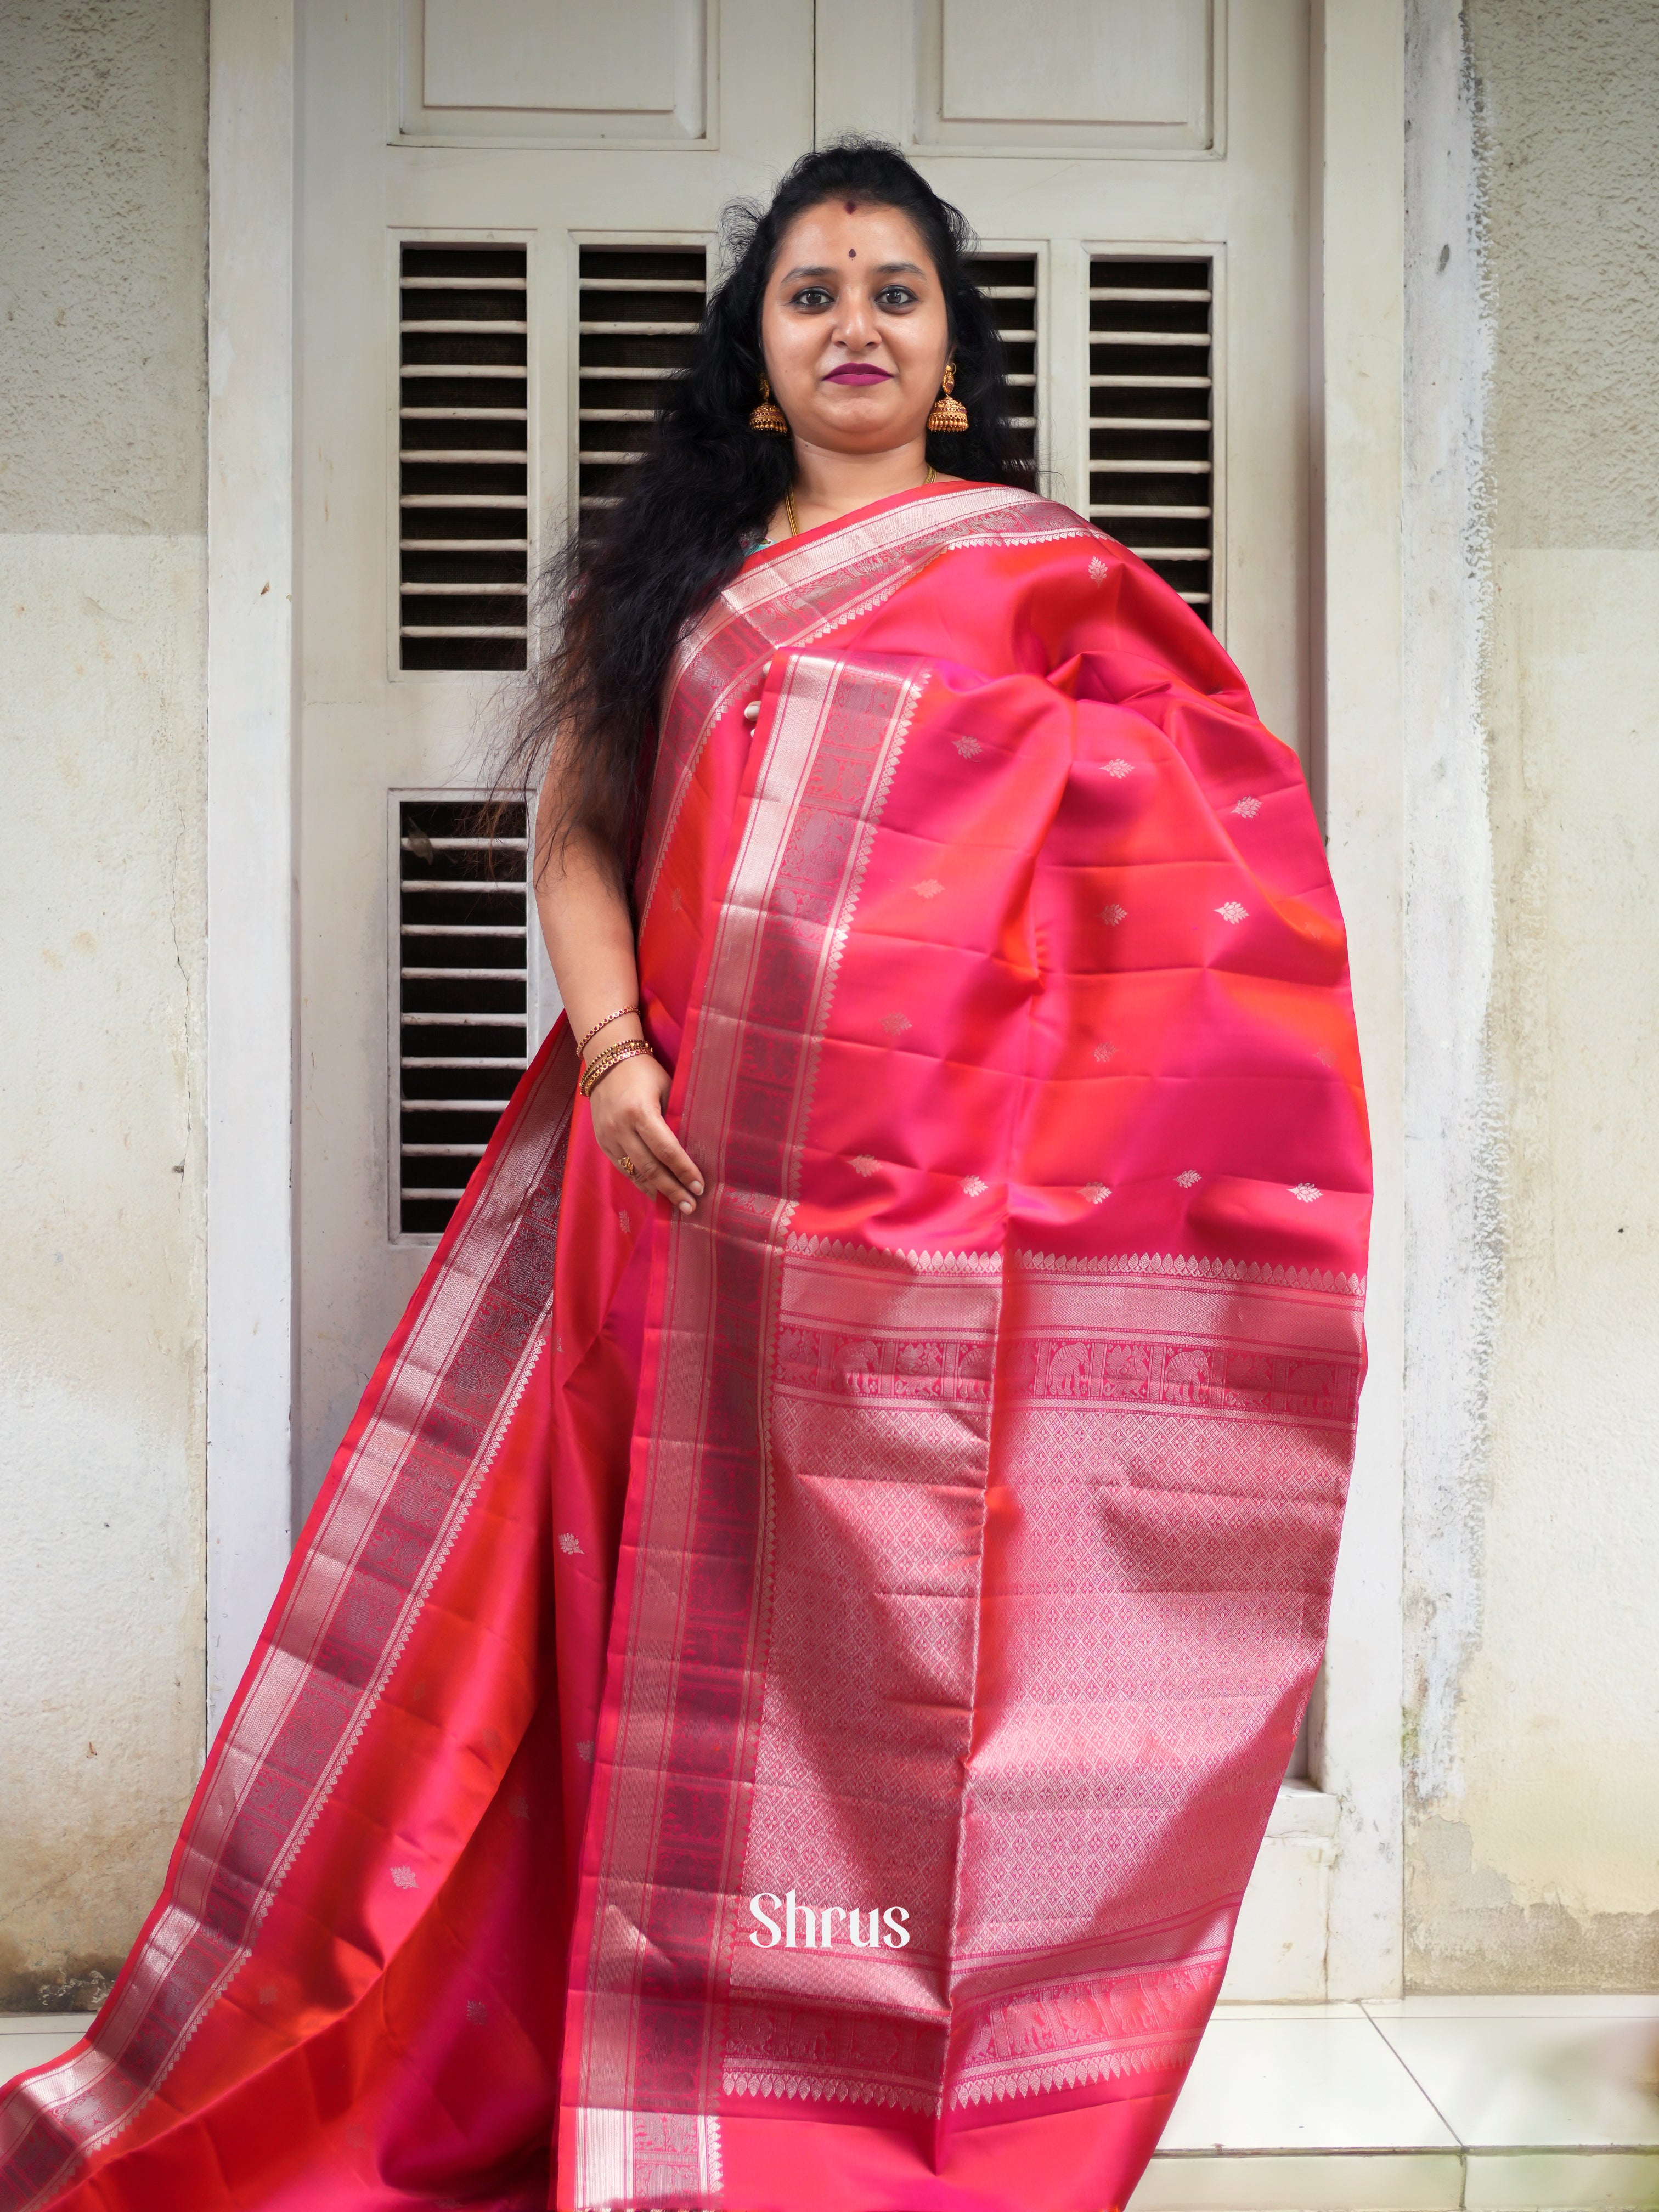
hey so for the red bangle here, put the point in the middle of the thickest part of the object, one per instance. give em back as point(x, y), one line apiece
point(582, 1043)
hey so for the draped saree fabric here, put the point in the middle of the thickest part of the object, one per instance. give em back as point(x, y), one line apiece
point(778, 1708)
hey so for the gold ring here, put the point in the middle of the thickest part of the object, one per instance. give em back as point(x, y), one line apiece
point(628, 1167)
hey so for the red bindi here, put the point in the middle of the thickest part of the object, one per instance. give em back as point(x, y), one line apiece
point(852, 207)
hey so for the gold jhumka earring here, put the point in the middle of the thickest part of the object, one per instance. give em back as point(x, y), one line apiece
point(768, 416)
point(947, 413)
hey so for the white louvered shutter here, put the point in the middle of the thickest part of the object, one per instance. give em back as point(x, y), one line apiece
point(461, 1027)
point(464, 455)
point(1151, 444)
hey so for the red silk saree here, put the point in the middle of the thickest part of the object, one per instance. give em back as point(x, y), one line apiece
point(778, 1709)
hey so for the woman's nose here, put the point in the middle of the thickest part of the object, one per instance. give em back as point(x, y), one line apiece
point(857, 325)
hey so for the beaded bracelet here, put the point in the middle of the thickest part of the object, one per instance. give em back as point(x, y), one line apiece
point(612, 1057)
point(582, 1043)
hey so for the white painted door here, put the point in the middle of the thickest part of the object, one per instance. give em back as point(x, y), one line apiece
point(480, 178)
point(506, 211)
point(1143, 154)
point(507, 208)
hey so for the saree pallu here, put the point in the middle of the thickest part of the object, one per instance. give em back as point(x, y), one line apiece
point(777, 1708)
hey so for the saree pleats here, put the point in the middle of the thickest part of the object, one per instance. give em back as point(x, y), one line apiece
point(777, 1708)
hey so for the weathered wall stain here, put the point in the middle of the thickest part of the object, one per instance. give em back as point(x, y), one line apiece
point(1469, 1934)
point(1453, 1250)
point(73, 1983)
point(1533, 1735)
point(102, 616)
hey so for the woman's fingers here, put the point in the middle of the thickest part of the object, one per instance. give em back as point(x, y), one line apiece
point(636, 1139)
point(658, 1164)
point(672, 1154)
point(635, 1156)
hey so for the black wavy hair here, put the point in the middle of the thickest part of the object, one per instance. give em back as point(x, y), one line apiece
point(707, 485)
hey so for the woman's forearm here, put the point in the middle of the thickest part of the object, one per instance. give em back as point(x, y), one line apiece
point(589, 941)
point(590, 936)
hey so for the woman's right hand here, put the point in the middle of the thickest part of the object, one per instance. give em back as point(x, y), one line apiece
point(627, 1106)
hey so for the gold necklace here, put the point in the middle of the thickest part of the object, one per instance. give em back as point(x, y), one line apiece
point(789, 500)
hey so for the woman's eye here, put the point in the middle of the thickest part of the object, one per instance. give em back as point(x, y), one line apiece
point(895, 296)
point(812, 295)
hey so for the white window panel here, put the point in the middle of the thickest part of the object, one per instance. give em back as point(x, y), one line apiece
point(1009, 281)
point(1153, 476)
point(464, 521)
point(638, 309)
point(462, 1018)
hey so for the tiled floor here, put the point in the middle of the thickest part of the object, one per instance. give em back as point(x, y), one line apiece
point(1430, 2102)
point(1417, 2105)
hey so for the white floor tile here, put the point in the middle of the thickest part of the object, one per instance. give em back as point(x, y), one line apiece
point(1321, 2108)
point(1376, 2181)
point(1523, 2181)
point(1294, 2078)
point(1585, 2079)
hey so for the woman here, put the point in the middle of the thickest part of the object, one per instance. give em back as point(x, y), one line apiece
point(778, 1701)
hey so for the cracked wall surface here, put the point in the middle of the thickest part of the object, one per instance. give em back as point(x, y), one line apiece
point(1532, 1734)
point(102, 611)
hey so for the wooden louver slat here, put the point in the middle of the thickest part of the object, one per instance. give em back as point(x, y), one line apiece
point(1008, 283)
point(463, 459)
point(636, 322)
point(1151, 446)
point(464, 917)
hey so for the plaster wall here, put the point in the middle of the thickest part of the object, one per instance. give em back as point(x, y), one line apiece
point(102, 609)
point(1533, 1741)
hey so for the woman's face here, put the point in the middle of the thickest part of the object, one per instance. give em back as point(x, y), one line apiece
point(854, 328)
